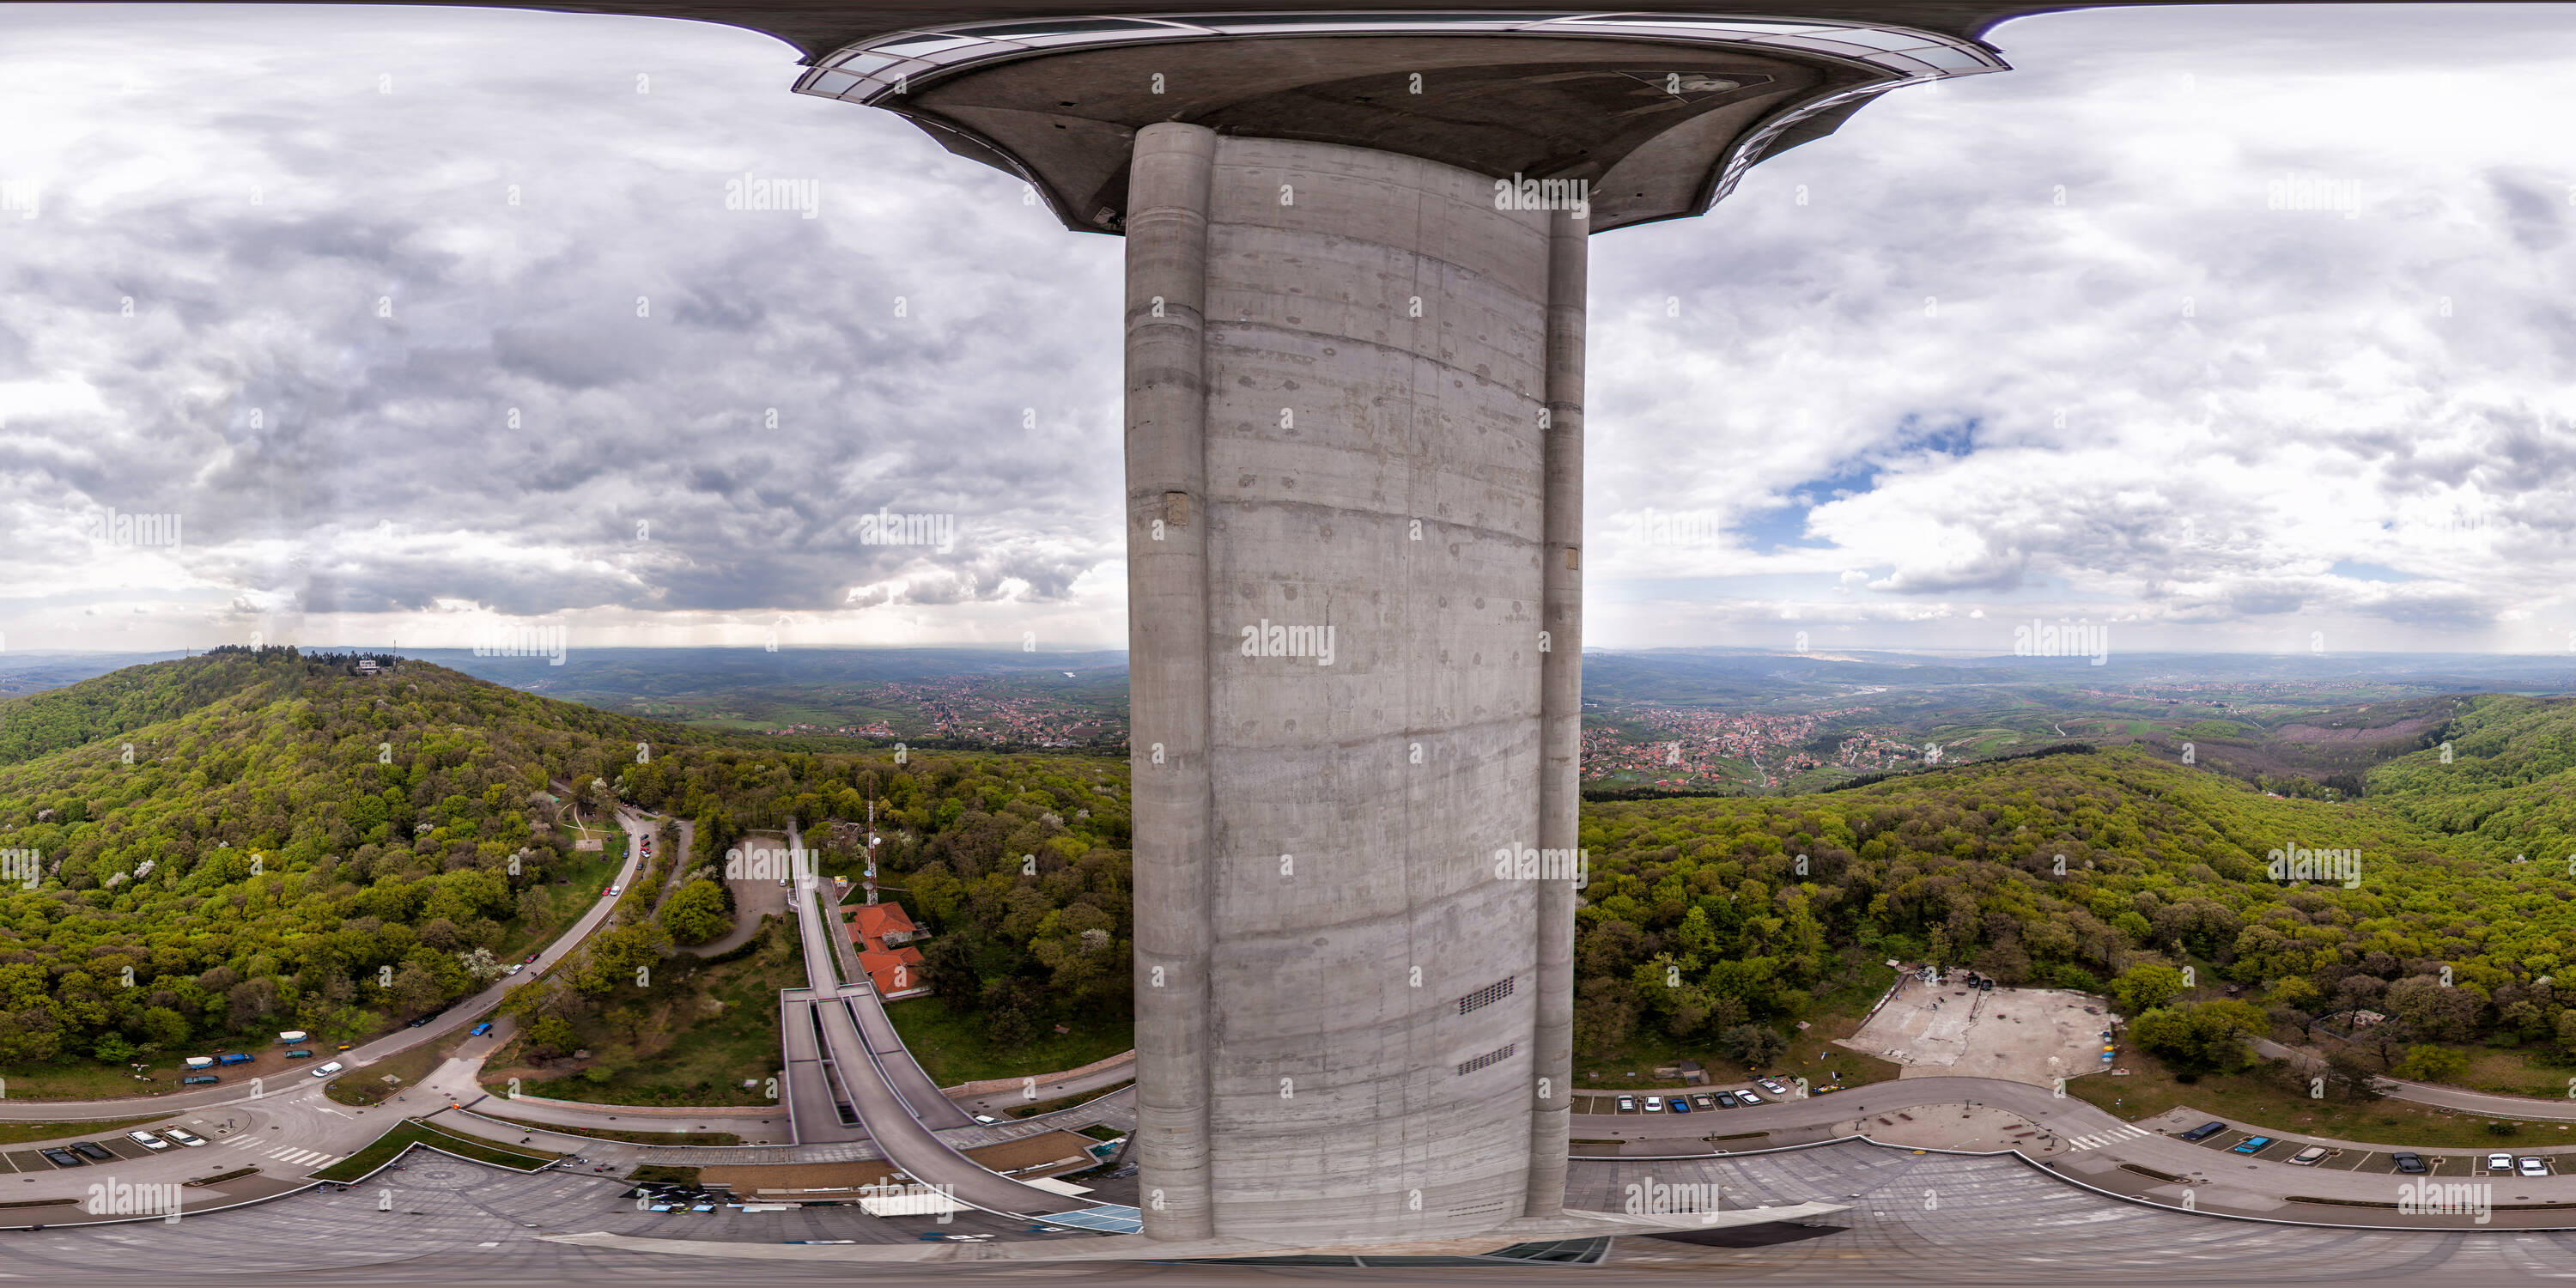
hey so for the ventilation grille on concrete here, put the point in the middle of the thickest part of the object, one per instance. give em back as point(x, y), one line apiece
point(1490, 1057)
point(1486, 996)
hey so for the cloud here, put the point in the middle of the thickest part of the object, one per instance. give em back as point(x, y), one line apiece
point(491, 343)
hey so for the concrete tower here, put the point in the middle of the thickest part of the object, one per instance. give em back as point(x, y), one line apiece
point(1355, 328)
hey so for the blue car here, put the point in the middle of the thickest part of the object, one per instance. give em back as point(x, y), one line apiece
point(2251, 1145)
point(1681, 1104)
point(480, 1029)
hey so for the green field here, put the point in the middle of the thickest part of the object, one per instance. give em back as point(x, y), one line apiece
point(705, 1028)
point(954, 1049)
point(415, 1132)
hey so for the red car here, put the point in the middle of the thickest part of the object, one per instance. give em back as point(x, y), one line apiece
point(529, 960)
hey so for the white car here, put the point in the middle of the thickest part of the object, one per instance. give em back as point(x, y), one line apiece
point(613, 891)
point(986, 1119)
point(2533, 1166)
point(1654, 1104)
point(329, 1069)
point(1747, 1098)
point(2502, 1163)
point(147, 1140)
point(184, 1136)
point(515, 968)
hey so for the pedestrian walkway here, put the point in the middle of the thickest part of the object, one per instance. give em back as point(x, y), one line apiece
point(2126, 1131)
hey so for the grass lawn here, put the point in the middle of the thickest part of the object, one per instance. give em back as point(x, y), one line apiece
point(22, 1133)
point(1836, 1014)
point(630, 1137)
point(415, 1132)
point(589, 873)
point(955, 1048)
point(2268, 1100)
point(704, 1028)
point(2522, 1071)
point(82, 1079)
point(367, 1086)
point(1068, 1102)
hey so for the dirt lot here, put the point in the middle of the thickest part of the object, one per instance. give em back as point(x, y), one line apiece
point(2033, 1035)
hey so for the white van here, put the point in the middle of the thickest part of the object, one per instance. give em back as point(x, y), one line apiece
point(201, 1062)
point(293, 1036)
point(329, 1069)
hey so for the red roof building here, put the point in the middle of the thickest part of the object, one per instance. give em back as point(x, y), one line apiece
point(896, 974)
point(880, 925)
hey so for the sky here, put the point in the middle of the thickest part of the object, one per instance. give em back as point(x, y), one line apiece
point(2223, 328)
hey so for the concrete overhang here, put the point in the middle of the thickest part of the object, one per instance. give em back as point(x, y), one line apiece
point(1654, 116)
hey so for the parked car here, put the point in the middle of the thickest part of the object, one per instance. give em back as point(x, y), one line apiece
point(1681, 1104)
point(63, 1158)
point(1748, 1098)
point(1772, 1085)
point(184, 1136)
point(329, 1069)
point(1727, 1100)
point(515, 968)
point(235, 1057)
point(2204, 1131)
point(614, 891)
point(1654, 1104)
point(2252, 1145)
point(93, 1151)
point(2309, 1157)
point(529, 960)
point(1703, 1100)
point(2533, 1166)
point(986, 1119)
point(480, 1029)
point(2500, 1162)
point(2409, 1163)
point(199, 1080)
point(1627, 1104)
point(300, 1053)
point(148, 1141)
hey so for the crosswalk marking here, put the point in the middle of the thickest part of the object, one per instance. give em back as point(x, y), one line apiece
point(2098, 1139)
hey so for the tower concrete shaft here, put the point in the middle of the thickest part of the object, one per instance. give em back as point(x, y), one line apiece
point(1355, 342)
point(1354, 502)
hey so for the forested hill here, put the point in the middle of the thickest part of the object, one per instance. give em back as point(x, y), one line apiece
point(1699, 915)
point(129, 699)
point(302, 846)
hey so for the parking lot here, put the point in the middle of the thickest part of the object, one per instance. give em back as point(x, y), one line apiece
point(29, 1160)
point(2451, 1162)
point(1700, 1100)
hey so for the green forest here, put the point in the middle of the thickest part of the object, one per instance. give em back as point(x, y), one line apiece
point(205, 850)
